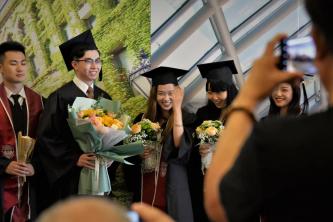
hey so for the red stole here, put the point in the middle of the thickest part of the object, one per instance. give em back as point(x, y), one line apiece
point(8, 145)
point(153, 190)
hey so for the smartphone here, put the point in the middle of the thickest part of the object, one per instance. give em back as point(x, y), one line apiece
point(133, 216)
point(298, 55)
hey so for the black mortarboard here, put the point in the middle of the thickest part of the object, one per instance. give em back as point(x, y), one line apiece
point(164, 75)
point(218, 71)
point(84, 40)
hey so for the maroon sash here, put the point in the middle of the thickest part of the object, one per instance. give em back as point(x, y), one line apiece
point(8, 148)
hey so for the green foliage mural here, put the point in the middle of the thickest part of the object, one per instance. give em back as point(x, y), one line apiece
point(121, 30)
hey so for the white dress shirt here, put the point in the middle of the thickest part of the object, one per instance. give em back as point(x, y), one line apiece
point(82, 85)
point(21, 93)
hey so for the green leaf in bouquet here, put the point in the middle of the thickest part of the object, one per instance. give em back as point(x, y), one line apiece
point(86, 136)
point(130, 149)
point(109, 105)
point(120, 152)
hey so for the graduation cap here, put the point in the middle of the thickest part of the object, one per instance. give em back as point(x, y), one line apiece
point(164, 75)
point(85, 41)
point(218, 71)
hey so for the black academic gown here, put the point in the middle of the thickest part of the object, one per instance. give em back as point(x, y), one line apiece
point(57, 152)
point(178, 192)
point(208, 112)
point(178, 197)
point(283, 171)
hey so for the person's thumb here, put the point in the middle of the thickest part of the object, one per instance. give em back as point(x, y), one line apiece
point(150, 214)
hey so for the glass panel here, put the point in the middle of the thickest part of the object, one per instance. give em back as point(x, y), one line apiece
point(193, 48)
point(237, 11)
point(289, 24)
point(169, 31)
point(161, 10)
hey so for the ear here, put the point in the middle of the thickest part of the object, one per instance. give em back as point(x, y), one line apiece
point(320, 42)
point(74, 64)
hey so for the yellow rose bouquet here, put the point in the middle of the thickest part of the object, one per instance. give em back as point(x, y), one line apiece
point(149, 134)
point(208, 133)
point(97, 127)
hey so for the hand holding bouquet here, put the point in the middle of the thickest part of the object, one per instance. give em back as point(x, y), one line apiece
point(149, 134)
point(208, 133)
point(97, 128)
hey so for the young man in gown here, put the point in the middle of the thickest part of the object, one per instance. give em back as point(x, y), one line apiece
point(59, 155)
point(20, 108)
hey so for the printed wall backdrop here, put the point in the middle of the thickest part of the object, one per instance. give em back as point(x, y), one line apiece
point(121, 29)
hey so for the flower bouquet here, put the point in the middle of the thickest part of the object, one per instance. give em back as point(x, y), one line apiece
point(149, 134)
point(97, 128)
point(208, 133)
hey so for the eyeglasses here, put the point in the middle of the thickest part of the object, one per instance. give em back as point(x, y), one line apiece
point(90, 61)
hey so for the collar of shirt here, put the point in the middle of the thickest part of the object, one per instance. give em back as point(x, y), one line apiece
point(21, 93)
point(81, 85)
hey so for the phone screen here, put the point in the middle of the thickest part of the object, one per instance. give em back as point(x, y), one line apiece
point(133, 216)
point(298, 55)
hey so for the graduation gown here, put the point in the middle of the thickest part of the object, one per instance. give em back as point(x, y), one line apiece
point(196, 178)
point(8, 183)
point(172, 189)
point(57, 151)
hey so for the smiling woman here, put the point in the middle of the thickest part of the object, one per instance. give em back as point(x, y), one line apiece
point(282, 95)
point(220, 93)
point(166, 187)
point(164, 96)
point(285, 99)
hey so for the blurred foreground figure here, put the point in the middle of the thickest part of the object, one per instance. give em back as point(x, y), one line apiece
point(84, 209)
point(280, 168)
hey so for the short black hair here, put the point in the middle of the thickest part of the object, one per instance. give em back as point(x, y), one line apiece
point(79, 50)
point(320, 12)
point(10, 46)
